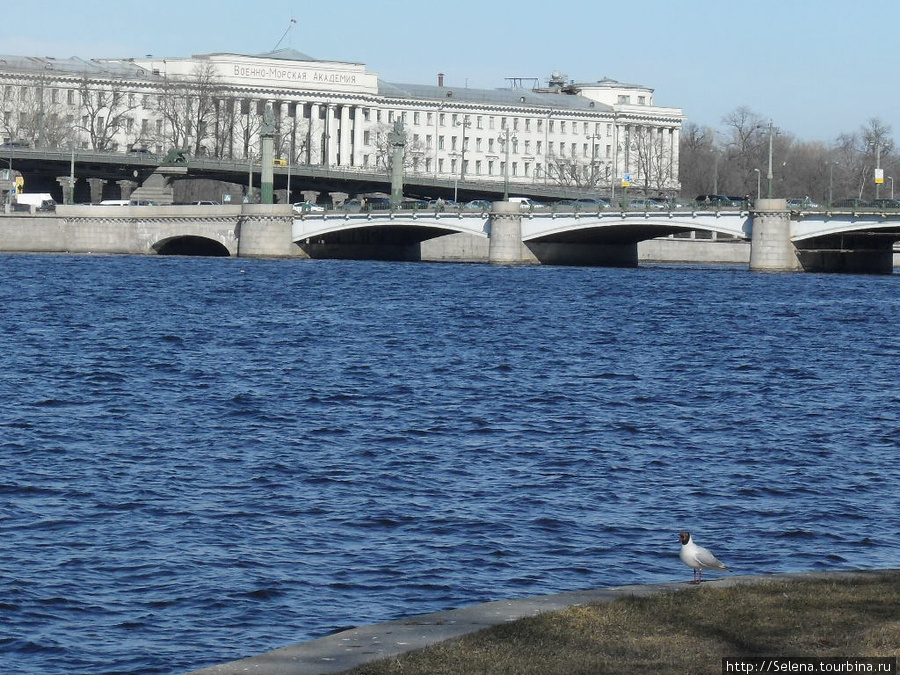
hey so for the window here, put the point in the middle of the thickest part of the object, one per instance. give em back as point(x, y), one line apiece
point(550, 148)
point(490, 168)
point(367, 138)
point(440, 142)
point(562, 127)
point(429, 118)
point(442, 119)
point(428, 142)
point(70, 97)
point(642, 100)
point(417, 118)
point(609, 129)
point(550, 126)
point(540, 145)
point(478, 144)
point(624, 100)
point(479, 124)
point(490, 145)
point(540, 125)
point(477, 167)
point(527, 124)
point(527, 147)
point(490, 122)
point(453, 143)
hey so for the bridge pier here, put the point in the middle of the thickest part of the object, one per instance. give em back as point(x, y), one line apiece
point(771, 248)
point(506, 247)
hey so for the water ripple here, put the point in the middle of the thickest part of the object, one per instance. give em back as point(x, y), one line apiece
point(201, 464)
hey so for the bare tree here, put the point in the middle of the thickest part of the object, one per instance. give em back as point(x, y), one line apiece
point(189, 109)
point(35, 114)
point(384, 150)
point(105, 113)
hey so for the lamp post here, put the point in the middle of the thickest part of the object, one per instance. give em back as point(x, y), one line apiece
point(462, 161)
point(879, 177)
point(593, 138)
point(758, 182)
point(831, 183)
point(505, 139)
point(769, 174)
point(891, 178)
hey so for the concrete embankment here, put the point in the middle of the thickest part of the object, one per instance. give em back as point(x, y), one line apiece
point(348, 649)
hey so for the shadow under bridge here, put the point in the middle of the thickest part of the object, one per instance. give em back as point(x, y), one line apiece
point(394, 235)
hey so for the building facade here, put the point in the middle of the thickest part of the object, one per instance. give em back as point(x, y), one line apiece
point(591, 135)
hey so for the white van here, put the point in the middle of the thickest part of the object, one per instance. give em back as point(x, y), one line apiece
point(526, 203)
point(36, 201)
point(114, 202)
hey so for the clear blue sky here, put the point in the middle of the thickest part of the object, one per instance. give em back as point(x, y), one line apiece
point(817, 68)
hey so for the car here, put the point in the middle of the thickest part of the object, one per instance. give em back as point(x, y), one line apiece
point(587, 204)
point(852, 203)
point(479, 205)
point(444, 205)
point(646, 204)
point(278, 161)
point(718, 200)
point(306, 207)
point(886, 203)
point(206, 203)
point(526, 203)
point(805, 203)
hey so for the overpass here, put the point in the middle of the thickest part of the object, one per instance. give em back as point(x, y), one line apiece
point(98, 173)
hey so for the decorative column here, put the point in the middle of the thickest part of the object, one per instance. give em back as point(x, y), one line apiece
point(68, 188)
point(771, 249)
point(267, 138)
point(397, 139)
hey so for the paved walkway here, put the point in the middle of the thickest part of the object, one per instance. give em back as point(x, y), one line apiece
point(350, 648)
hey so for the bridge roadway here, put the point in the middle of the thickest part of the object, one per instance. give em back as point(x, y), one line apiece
point(852, 242)
point(42, 168)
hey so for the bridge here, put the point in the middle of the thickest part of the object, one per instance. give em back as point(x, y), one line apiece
point(780, 239)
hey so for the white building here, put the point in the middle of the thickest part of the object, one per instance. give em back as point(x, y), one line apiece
point(336, 114)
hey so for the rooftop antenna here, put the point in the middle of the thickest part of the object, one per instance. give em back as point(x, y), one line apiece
point(284, 35)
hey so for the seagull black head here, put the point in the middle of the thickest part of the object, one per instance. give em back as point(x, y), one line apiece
point(684, 536)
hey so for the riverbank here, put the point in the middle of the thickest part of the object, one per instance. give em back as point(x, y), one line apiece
point(520, 642)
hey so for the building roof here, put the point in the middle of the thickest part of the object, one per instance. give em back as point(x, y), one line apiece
point(508, 97)
point(73, 66)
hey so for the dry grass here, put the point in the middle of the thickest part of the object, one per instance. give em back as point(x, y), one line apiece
point(684, 632)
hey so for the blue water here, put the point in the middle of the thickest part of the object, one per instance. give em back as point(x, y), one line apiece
point(205, 459)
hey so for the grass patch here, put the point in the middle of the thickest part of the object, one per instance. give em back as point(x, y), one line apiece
point(675, 633)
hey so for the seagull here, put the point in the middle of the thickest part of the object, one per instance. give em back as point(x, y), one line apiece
point(697, 557)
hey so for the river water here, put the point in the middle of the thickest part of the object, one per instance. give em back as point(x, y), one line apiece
point(205, 459)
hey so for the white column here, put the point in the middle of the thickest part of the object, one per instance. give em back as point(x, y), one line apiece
point(357, 136)
point(315, 135)
point(346, 136)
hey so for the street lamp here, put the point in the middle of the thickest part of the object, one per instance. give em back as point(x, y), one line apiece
point(879, 176)
point(891, 178)
point(594, 138)
point(506, 139)
point(758, 180)
point(462, 161)
point(831, 183)
point(769, 174)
